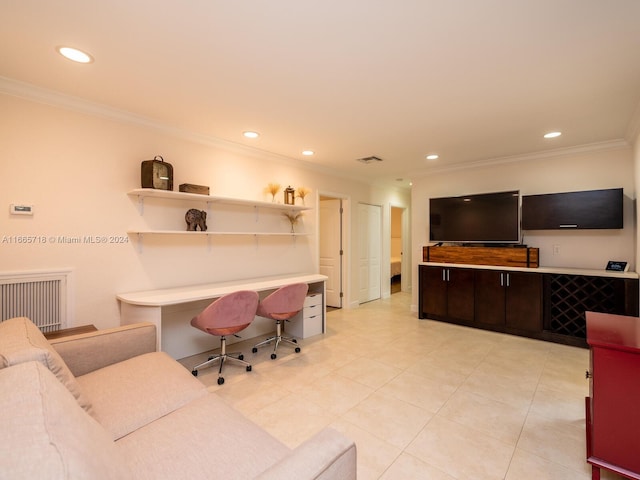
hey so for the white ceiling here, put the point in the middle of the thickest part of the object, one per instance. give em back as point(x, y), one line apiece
point(472, 80)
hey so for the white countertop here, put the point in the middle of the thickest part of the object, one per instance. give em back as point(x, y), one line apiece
point(559, 270)
point(177, 295)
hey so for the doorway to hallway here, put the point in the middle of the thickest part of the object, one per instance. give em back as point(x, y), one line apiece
point(397, 250)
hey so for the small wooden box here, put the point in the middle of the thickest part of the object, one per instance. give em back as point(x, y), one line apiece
point(506, 257)
point(189, 188)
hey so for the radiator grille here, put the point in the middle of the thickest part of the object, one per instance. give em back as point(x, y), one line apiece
point(40, 297)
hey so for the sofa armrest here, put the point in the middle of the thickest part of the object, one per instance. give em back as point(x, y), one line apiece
point(328, 455)
point(86, 352)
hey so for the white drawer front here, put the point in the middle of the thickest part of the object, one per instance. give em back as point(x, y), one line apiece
point(312, 310)
point(313, 299)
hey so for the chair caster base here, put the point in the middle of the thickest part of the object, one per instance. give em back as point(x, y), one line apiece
point(220, 380)
point(297, 349)
point(248, 368)
point(254, 350)
point(273, 356)
point(194, 373)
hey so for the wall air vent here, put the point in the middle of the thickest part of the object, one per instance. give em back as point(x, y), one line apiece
point(369, 160)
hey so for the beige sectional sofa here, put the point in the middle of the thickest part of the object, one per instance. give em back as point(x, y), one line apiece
point(107, 405)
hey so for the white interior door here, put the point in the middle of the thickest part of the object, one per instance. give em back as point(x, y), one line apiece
point(331, 248)
point(370, 239)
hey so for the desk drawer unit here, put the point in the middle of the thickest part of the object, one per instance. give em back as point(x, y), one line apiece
point(310, 320)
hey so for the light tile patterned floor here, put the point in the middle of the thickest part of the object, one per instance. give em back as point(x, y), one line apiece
point(422, 399)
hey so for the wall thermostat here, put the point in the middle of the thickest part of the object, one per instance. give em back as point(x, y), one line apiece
point(16, 209)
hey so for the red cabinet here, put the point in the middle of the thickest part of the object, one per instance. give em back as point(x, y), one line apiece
point(613, 405)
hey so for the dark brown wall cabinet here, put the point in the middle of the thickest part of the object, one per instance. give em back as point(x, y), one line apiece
point(593, 209)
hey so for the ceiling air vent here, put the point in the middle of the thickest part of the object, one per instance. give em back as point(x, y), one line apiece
point(369, 160)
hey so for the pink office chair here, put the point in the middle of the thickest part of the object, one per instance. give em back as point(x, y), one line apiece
point(226, 316)
point(280, 306)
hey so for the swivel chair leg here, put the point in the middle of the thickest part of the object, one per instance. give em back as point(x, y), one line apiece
point(223, 357)
point(277, 338)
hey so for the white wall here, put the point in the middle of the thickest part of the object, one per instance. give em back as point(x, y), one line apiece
point(586, 171)
point(76, 168)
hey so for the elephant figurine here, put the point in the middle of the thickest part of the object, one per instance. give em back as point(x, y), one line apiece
point(196, 218)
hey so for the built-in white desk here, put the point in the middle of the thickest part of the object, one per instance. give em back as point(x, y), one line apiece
point(171, 309)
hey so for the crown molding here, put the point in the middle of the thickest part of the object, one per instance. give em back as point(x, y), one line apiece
point(608, 145)
point(53, 98)
point(68, 102)
point(633, 130)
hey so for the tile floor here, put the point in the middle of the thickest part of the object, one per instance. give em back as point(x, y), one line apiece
point(422, 399)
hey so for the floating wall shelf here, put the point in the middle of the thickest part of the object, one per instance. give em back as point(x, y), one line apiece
point(199, 233)
point(141, 193)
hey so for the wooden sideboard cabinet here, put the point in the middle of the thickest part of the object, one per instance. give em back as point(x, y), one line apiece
point(512, 300)
point(613, 405)
point(447, 293)
point(543, 303)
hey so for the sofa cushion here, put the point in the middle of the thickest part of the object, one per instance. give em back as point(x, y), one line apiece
point(45, 432)
point(129, 394)
point(202, 440)
point(21, 341)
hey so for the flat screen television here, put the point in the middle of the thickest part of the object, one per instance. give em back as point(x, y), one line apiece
point(481, 218)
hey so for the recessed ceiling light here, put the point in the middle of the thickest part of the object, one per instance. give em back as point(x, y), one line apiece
point(432, 157)
point(308, 153)
point(75, 55)
point(250, 134)
point(552, 134)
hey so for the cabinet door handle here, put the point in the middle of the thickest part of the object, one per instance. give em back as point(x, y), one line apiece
point(444, 275)
point(448, 274)
point(502, 279)
point(508, 280)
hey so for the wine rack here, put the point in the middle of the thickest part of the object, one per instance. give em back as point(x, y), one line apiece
point(569, 296)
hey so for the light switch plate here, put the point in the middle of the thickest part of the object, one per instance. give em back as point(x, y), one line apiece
point(20, 209)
